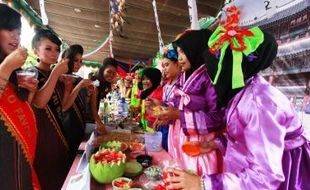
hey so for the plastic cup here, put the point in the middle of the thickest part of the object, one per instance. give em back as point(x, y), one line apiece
point(153, 141)
point(25, 75)
point(71, 77)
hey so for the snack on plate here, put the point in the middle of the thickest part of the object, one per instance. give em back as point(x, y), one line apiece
point(120, 136)
point(107, 165)
point(115, 145)
point(136, 146)
point(121, 183)
point(153, 172)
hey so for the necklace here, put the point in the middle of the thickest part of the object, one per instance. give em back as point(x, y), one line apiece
point(169, 91)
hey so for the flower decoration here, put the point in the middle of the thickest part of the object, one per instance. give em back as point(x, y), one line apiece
point(171, 54)
point(240, 41)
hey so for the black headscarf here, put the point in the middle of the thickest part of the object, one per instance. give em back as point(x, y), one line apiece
point(155, 77)
point(193, 43)
point(265, 53)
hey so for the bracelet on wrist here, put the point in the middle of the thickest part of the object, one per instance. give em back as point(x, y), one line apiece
point(202, 183)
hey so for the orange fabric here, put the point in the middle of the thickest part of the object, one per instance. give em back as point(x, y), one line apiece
point(21, 123)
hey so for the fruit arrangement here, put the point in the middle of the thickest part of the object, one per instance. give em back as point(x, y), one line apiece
point(107, 165)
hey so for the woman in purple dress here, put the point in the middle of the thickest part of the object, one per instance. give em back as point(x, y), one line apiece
point(267, 147)
point(193, 106)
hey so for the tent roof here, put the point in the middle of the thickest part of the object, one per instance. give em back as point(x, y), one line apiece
point(87, 23)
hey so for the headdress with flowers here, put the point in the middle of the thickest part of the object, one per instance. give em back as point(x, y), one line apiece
point(170, 53)
point(241, 42)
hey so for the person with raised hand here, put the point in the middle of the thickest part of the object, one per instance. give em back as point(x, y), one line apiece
point(52, 160)
point(18, 131)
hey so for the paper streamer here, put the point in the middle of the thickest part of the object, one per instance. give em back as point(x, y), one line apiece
point(193, 14)
point(110, 41)
point(43, 13)
point(160, 40)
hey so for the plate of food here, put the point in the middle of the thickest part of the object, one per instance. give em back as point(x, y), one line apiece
point(153, 173)
point(122, 183)
point(136, 147)
point(115, 145)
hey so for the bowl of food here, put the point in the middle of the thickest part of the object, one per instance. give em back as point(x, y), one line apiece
point(122, 183)
point(153, 173)
point(145, 160)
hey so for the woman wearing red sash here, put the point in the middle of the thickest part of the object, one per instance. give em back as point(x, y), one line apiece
point(18, 132)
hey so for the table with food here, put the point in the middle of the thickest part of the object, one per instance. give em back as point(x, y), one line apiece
point(122, 159)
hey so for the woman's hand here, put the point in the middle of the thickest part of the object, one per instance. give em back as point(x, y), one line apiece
point(62, 66)
point(182, 180)
point(16, 59)
point(85, 83)
point(100, 129)
point(152, 102)
point(167, 114)
point(13, 61)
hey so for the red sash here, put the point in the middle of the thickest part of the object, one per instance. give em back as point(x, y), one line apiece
point(21, 123)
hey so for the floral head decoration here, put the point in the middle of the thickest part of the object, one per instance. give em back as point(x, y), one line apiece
point(240, 41)
point(170, 53)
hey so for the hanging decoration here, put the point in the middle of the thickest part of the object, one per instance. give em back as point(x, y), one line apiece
point(193, 14)
point(43, 13)
point(110, 42)
point(103, 43)
point(156, 62)
point(160, 40)
point(117, 16)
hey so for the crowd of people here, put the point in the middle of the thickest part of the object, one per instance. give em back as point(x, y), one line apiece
point(224, 125)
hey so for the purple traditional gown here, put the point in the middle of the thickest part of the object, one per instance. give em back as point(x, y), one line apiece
point(267, 146)
point(196, 99)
